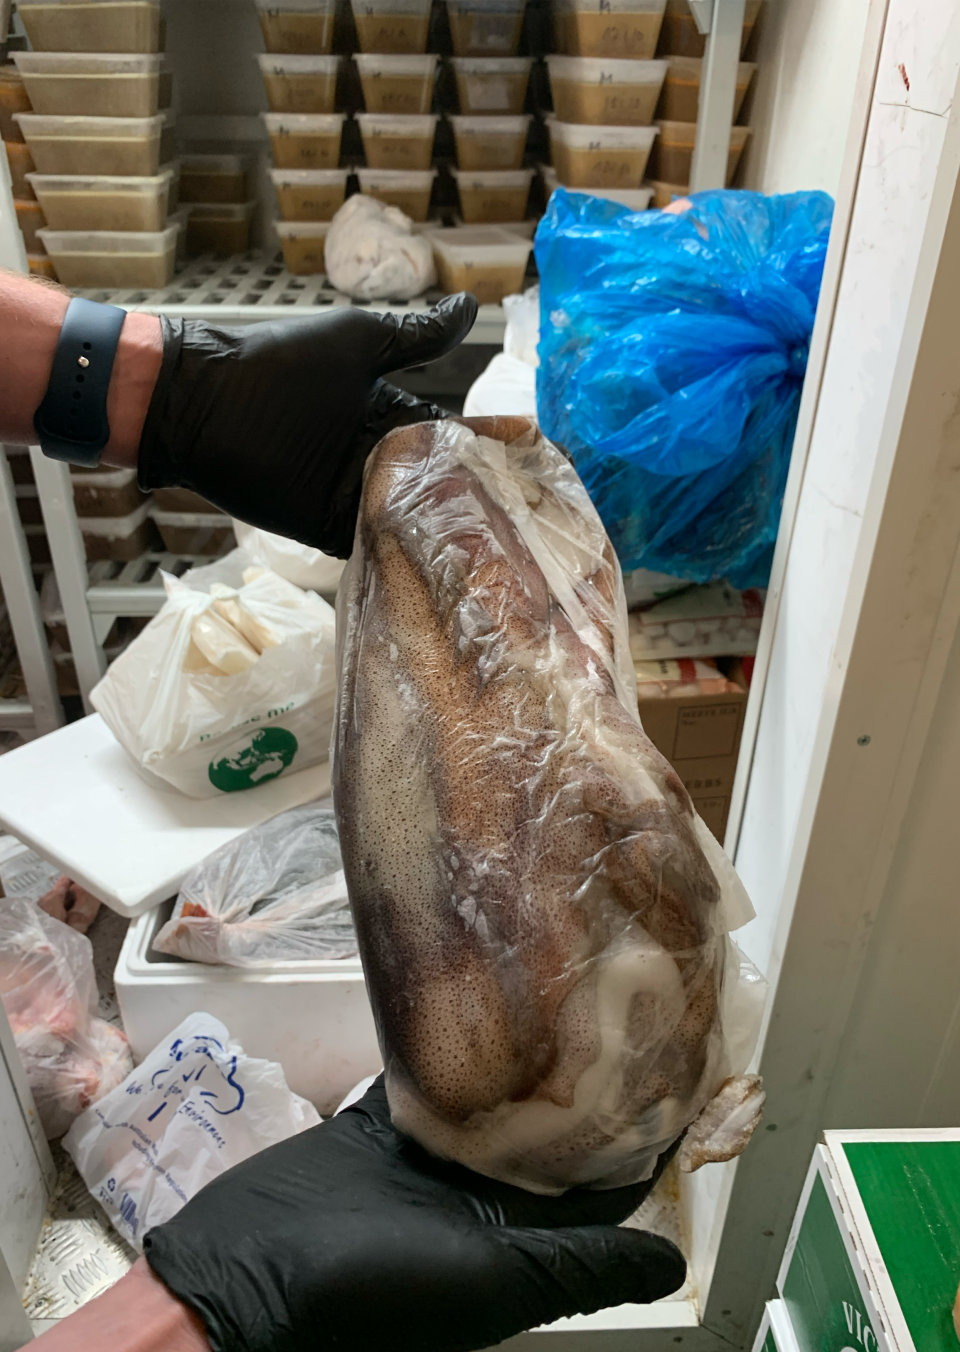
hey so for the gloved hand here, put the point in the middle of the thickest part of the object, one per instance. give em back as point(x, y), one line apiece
point(272, 422)
point(351, 1236)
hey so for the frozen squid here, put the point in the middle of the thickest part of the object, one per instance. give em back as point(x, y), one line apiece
point(542, 916)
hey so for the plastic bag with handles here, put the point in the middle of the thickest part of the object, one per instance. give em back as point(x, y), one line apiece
point(225, 688)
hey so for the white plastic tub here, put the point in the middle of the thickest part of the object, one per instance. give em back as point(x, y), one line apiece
point(493, 196)
point(605, 91)
point(91, 202)
point(213, 178)
point(300, 84)
point(680, 101)
point(112, 258)
point(408, 189)
point(313, 1018)
point(91, 84)
point(296, 25)
point(92, 25)
point(309, 194)
point(305, 140)
point(397, 84)
point(396, 26)
point(302, 243)
point(93, 145)
point(600, 157)
point(485, 27)
point(488, 260)
point(494, 84)
point(619, 28)
point(490, 142)
point(398, 140)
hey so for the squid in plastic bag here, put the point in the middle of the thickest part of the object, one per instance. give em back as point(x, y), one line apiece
point(542, 917)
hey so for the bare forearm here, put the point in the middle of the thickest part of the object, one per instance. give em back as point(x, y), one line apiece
point(30, 318)
point(137, 1315)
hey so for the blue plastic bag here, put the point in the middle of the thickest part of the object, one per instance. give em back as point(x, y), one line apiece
point(672, 353)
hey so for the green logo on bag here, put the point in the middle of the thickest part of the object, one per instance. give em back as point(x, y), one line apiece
point(266, 755)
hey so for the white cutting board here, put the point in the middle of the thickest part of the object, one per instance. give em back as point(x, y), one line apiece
point(75, 797)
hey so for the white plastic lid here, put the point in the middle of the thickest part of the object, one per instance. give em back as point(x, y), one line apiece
point(414, 179)
point(109, 241)
point(214, 164)
point(307, 178)
point(196, 519)
point(297, 6)
point(486, 6)
point(155, 3)
point(113, 527)
point(397, 124)
point(604, 70)
point(581, 137)
point(300, 124)
point(371, 8)
point(369, 63)
point(302, 229)
point(491, 65)
point(114, 128)
point(85, 63)
point(492, 178)
point(480, 244)
point(689, 68)
point(271, 64)
point(156, 183)
point(685, 134)
point(470, 124)
point(525, 229)
point(611, 6)
point(230, 211)
point(117, 478)
point(637, 199)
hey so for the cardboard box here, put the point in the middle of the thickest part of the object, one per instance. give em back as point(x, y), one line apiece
point(873, 1259)
point(700, 737)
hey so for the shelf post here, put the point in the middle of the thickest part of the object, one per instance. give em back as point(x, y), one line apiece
point(718, 88)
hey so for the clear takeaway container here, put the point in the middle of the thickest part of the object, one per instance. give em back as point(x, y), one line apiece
point(394, 26)
point(93, 202)
point(680, 101)
point(92, 25)
point(600, 157)
point(398, 140)
point(93, 145)
point(408, 189)
point(672, 155)
point(302, 245)
point(489, 261)
point(636, 199)
point(493, 195)
point(397, 84)
point(485, 27)
point(94, 84)
point(605, 91)
point(490, 142)
point(627, 28)
point(681, 36)
point(297, 25)
point(219, 227)
point(300, 84)
point(112, 258)
point(309, 194)
point(213, 178)
point(491, 84)
point(305, 140)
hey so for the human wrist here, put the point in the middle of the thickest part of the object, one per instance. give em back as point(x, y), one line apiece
point(138, 1314)
point(135, 370)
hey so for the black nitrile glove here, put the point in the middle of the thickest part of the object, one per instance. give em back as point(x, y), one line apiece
point(351, 1236)
point(273, 422)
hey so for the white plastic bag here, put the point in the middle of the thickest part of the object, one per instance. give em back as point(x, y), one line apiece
point(509, 383)
point(371, 252)
point(192, 1109)
point(49, 991)
point(276, 894)
point(300, 564)
point(225, 689)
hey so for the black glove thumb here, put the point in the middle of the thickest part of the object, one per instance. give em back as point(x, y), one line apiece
point(584, 1268)
point(417, 338)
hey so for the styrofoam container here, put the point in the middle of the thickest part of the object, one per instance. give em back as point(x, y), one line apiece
point(486, 260)
point(299, 83)
point(397, 84)
point(305, 140)
point(494, 84)
point(600, 157)
point(485, 27)
point(91, 25)
point(398, 140)
point(606, 92)
point(313, 1017)
point(296, 25)
point(490, 142)
point(309, 194)
point(408, 189)
point(121, 538)
point(194, 532)
point(98, 84)
point(302, 243)
point(672, 155)
point(618, 28)
point(393, 26)
point(493, 195)
point(680, 100)
point(93, 145)
point(92, 202)
point(213, 178)
point(113, 258)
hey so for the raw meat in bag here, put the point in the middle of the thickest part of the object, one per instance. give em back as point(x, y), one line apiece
point(543, 919)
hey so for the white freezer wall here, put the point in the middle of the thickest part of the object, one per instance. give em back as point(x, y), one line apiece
point(808, 53)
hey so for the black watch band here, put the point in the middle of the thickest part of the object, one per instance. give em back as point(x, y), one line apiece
point(71, 422)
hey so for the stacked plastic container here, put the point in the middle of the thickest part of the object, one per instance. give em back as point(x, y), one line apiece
point(682, 46)
point(30, 218)
point(101, 138)
point(215, 192)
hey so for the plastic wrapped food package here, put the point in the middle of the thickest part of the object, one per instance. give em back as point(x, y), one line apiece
point(276, 894)
point(680, 678)
point(508, 830)
point(47, 984)
point(372, 252)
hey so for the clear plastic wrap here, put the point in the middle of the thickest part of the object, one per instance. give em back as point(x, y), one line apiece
point(49, 991)
point(276, 894)
point(543, 919)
